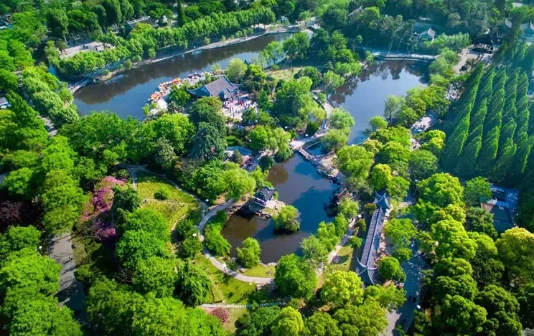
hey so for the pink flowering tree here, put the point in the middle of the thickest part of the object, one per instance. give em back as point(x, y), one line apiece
point(221, 313)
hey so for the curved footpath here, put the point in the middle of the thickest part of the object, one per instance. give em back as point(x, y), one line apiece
point(206, 216)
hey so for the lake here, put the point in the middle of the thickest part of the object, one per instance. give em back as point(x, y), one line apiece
point(298, 184)
point(127, 93)
point(365, 96)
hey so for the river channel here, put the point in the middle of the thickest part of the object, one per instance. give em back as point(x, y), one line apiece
point(126, 94)
point(296, 180)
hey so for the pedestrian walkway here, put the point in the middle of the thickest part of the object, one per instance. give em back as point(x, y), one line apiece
point(241, 277)
point(71, 292)
point(241, 306)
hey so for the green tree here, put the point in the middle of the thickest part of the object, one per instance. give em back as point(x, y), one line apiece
point(294, 277)
point(287, 219)
point(58, 22)
point(477, 190)
point(390, 269)
point(17, 238)
point(321, 324)
point(515, 251)
point(236, 70)
point(42, 317)
point(349, 208)
point(193, 284)
point(334, 140)
point(378, 122)
point(156, 275)
point(368, 319)
point(423, 164)
point(314, 250)
point(179, 95)
point(208, 143)
point(342, 289)
point(380, 176)
point(479, 220)
point(501, 307)
point(354, 161)
point(242, 183)
point(135, 246)
point(289, 323)
point(148, 220)
point(400, 231)
point(459, 316)
point(389, 297)
point(249, 253)
point(341, 119)
point(181, 13)
point(441, 189)
point(8, 80)
point(20, 183)
point(525, 297)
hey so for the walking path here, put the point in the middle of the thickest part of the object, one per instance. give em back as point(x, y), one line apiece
point(241, 277)
point(231, 305)
point(71, 292)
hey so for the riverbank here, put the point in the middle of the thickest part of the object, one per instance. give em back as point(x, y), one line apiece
point(88, 80)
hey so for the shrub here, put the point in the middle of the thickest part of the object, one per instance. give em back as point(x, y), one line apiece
point(222, 314)
point(162, 193)
point(361, 224)
point(356, 242)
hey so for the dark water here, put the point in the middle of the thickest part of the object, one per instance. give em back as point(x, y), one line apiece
point(298, 184)
point(365, 97)
point(126, 94)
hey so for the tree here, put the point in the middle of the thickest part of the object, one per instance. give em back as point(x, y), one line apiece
point(236, 70)
point(190, 246)
point(179, 95)
point(479, 220)
point(389, 297)
point(135, 246)
point(297, 46)
point(314, 250)
point(516, 248)
point(453, 240)
point(289, 323)
point(8, 81)
point(525, 298)
point(28, 269)
point(242, 183)
point(423, 164)
point(477, 190)
point(165, 156)
point(380, 176)
point(342, 289)
point(113, 12)
point(259, 321)
point(460, 316)
point(349, 208)
point(294, 277)
point(378, 122)
point(321, 324)
point(354, 161)
point(156, 275)
point(181, 13)
point(42, 316)
point(287, 219)
point(400, 231)
point(177, 129)
point(208, 143)
point(59, 22)
point(368, 319)
point(125, 199)
point(341, 119)
point(393, 107)
point(193, 284)
point(17, 238)
point(249, 254)
point(208, 110)
point(148, 220)
point(502, 308)
point(441, 189)
point(390, 269)
point(334, 140)
point(19, 183)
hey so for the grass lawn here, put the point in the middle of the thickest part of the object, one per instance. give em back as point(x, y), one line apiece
point(235, 314)
point(345, 258)
point(178, 205)
point(283, 74)
point(227, 289)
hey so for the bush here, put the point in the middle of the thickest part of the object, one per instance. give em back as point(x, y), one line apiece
point(221, 313)
point(266, 162)
point(356, 242)
point(361, 224)
point(312, 128)
point(287, 219)
point(162, 193)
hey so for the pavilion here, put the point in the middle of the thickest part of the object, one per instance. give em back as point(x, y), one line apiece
point(221, 87)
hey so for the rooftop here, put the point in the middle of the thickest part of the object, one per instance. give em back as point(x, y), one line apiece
point(221, 87)
point(503, 206)
point(145, 19)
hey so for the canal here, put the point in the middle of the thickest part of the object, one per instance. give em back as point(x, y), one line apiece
point(127, 93)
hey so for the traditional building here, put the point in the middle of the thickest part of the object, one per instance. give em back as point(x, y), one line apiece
point(260, 199)
point(503, 207)
point(130, 25)
point(221, 87)
point(366, 267)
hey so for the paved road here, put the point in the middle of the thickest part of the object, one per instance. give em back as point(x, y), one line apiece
point(414, 274)
point(71, 292)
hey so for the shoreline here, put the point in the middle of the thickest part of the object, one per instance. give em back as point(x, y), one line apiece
point(88, 80)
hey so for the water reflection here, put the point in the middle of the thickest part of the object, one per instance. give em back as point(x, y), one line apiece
point(298, 184)
point(128, 93)
point(373, 86)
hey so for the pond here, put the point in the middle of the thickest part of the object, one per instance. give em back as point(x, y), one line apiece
point(365, 97)
point(127, 93)
point(298, 184)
